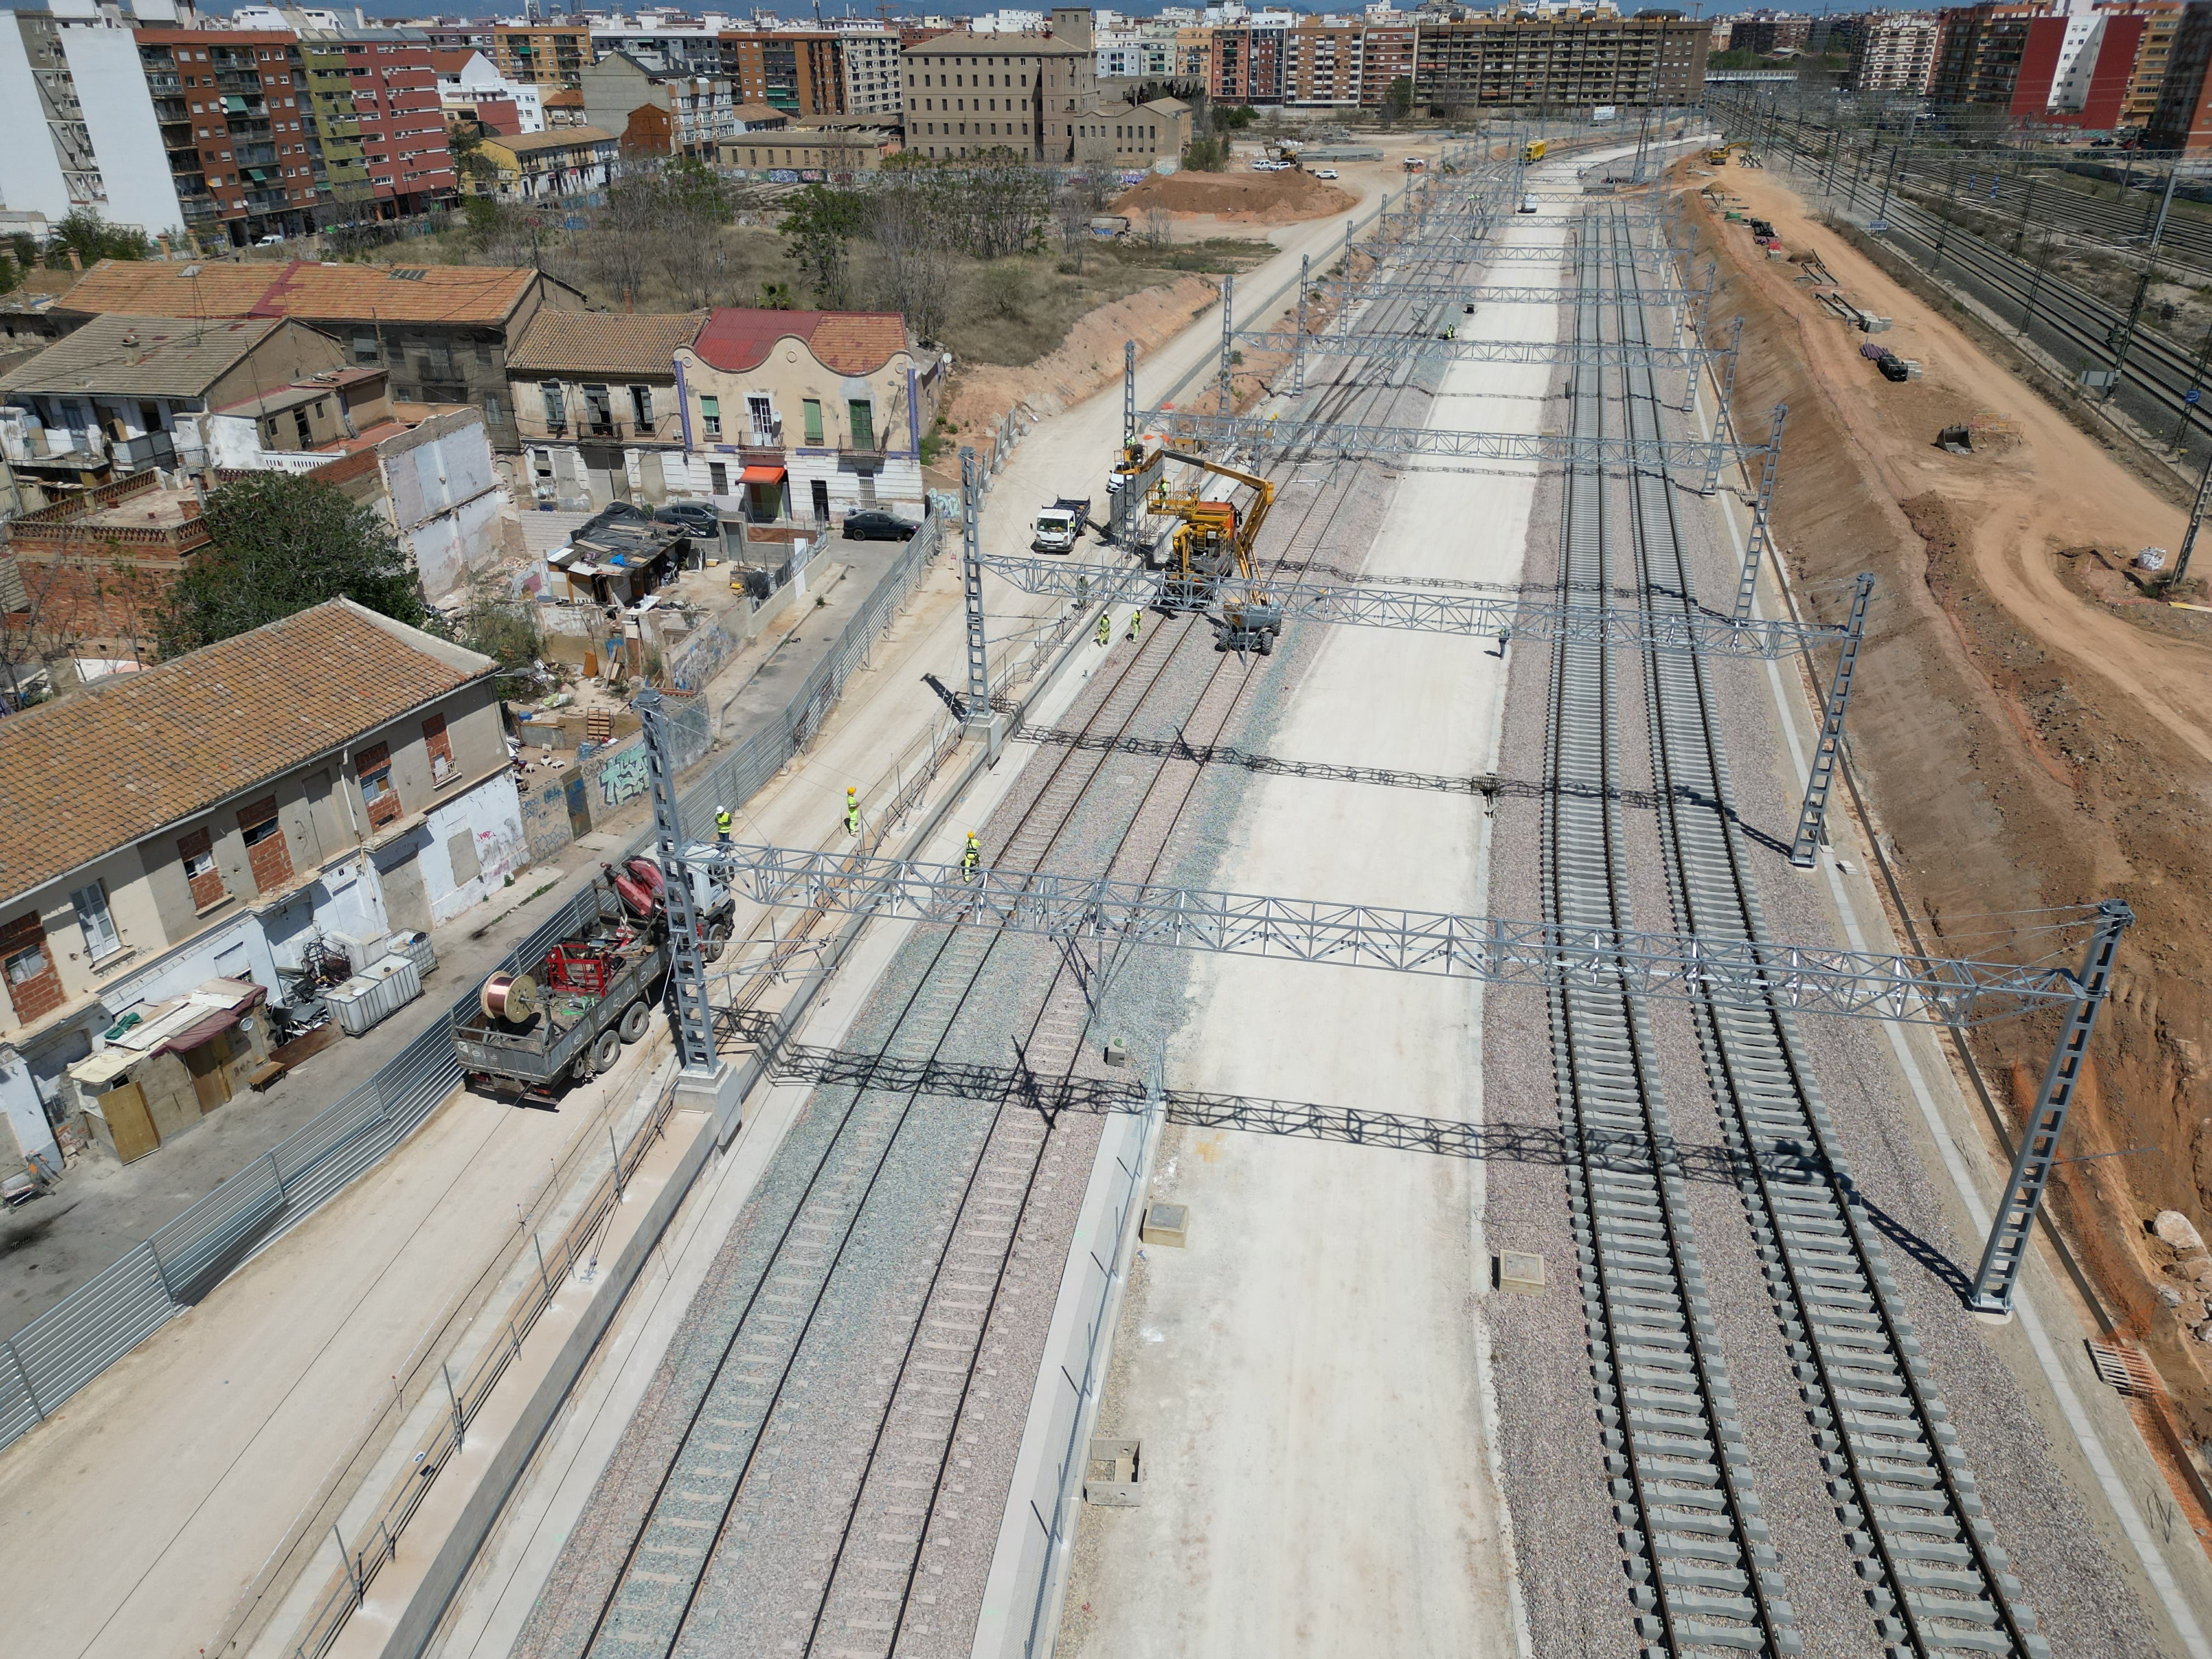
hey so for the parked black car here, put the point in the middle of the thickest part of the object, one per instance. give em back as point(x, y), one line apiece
point(697, 517)
point(614, 513)
point(869, 526)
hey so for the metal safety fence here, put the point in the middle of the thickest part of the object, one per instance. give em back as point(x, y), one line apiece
point(47, 1361)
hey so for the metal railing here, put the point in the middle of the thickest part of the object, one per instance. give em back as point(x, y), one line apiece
point(47, 1361)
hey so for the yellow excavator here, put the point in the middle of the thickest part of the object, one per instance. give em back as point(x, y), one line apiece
point(1213, 540)
point(1718, 156)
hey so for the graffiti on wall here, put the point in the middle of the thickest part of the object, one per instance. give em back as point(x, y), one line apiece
point(622, 777)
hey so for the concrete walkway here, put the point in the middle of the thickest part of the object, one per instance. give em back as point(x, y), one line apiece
point(1308, 1376)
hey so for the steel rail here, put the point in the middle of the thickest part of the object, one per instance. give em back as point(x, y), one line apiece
point(1913, 1515)
point(687, 1519)
point(1702, 1571)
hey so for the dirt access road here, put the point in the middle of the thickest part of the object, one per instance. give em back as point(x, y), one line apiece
point(2034, 732)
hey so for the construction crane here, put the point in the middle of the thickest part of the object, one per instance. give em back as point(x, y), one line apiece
point(1213, 540)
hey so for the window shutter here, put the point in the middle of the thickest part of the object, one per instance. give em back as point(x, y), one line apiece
point(265, 852)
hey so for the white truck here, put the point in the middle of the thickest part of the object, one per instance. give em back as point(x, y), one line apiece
point(1060, 527)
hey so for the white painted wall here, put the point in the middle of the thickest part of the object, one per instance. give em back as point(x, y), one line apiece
point(490, 815)
point(31, 181)
point(118, 114)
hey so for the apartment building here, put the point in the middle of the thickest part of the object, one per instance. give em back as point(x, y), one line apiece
point(559, 164)
point(664, 46)
point(335, 772)
point(2097, 69)
point(798, 71)
point(1769, 32)
point(1895, 52)
point(1321, 65)
point(969, 92)
point(1388, 53)
point(543, 55)
point(1248, 65)
point(1561, 63)
point(375, 98)
point(2182, 118)
point(1122, 134)
point(647, 109)
point(2162, 23)
point(78, 125)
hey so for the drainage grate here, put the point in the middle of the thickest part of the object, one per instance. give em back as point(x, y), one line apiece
point(2124, 1366)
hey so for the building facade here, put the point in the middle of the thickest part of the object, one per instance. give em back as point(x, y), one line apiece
point(595, 405)
point(1119, 134)
point(1564, 63)
point(967, 93)
point(2182, 119)
point(1895, 52)
point(558, 164)
point(376, 92)
point(542, 54)
point(335, 773)
point(806, 415)
point(441, 330)
point(838, 152)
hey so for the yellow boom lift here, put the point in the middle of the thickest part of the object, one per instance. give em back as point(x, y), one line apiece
point(1213, 540)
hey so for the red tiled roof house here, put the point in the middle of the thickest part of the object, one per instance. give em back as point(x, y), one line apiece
point(807, 414)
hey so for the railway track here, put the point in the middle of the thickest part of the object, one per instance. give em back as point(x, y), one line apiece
point(1938, 1581)
point(2075, 327)
point(1703, 1573)
point(722, 1545)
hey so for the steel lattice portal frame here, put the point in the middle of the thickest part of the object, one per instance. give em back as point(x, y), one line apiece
point(1258, 433)
point(1420, 610)
point(1410, 348)
point(1102, 916)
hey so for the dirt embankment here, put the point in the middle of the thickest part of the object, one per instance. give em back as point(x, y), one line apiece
point(1091, 357)
point(2032, 734)
point(1254, 198)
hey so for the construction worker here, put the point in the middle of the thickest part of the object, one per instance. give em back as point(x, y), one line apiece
point(1105, 628)
point(1136, 622)
point(970, 859)
point(851, 811)
point(723, 826)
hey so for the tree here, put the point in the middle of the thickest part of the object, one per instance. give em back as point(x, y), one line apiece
point(283, 542)
point(817, 233)
point(496, 624)
point(917, 241)
point(1207, 155)
point(94, 238)
point(1398, 99)
point(478, 171)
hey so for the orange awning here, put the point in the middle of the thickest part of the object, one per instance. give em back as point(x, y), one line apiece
point(763, 475)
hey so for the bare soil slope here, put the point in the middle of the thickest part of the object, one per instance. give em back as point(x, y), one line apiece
point(1258, 199)
point(2033, 733)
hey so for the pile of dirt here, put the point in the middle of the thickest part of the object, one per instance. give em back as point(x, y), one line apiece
point(1259, 199)
point(2024, 743)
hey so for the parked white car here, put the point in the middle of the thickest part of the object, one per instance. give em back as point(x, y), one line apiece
point(1324, 173)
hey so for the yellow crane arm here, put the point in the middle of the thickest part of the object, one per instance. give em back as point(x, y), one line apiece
point(1263, 497)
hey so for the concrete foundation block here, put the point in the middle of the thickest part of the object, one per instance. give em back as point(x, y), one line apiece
point(1170, 1224)
point(1519, 1271)
point(1110, 1478)
point(720, 1092)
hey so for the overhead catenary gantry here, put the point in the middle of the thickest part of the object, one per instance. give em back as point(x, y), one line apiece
point(1263, 434)
point(1420, 610)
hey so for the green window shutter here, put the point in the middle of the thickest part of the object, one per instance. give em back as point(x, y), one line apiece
point(813, 406)
point(864, 424)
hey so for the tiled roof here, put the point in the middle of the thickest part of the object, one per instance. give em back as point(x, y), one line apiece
point(95, 771)
point(166, 287)
point(483, 294)
point(143, 356)
point(602, 342)
point(850, 342)
point(524, 144)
